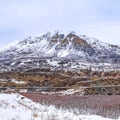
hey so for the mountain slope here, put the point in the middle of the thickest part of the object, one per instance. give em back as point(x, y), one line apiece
point(60, 52)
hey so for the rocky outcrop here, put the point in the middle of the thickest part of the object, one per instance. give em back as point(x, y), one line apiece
point(87, 82)
point(60, 62)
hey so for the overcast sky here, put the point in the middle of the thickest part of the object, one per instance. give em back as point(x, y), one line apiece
point(95, 18)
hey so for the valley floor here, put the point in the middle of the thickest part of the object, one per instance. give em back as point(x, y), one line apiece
point(14, 106)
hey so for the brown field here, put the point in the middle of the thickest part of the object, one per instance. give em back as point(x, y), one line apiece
point(106, 106)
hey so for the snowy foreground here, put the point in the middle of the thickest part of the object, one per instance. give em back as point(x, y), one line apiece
point(17, 107)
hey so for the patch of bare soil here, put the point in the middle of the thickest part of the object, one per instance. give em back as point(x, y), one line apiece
point(106, 106)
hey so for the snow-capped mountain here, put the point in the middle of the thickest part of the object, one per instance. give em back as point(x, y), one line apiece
point(59, 51)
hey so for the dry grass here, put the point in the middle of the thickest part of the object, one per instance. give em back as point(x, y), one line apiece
point(106, 106)
point(35, 115)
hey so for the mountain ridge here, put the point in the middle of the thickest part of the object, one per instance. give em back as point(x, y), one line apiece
point(49, 50)
point(59, 62)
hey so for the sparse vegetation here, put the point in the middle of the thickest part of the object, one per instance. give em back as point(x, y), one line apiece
point(107, 106)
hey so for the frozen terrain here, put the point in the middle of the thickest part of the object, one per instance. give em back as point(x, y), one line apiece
point(60, 51)
point(17, 107)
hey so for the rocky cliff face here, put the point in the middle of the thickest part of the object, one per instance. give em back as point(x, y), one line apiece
point(60, 52)
point(60, 62)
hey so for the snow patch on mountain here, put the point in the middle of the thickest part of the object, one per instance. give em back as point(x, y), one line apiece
point(68, 49)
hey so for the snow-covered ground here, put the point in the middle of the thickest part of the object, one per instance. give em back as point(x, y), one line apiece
point(16, 107)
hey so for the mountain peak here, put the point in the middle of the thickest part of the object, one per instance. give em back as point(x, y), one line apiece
point(58, 47)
